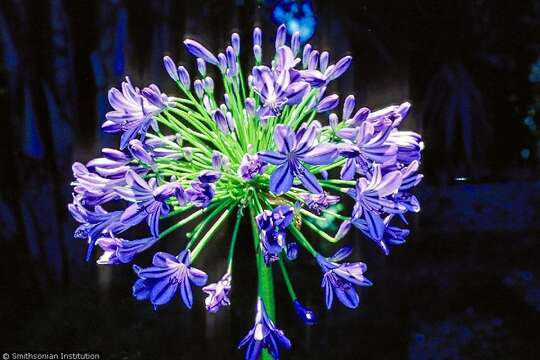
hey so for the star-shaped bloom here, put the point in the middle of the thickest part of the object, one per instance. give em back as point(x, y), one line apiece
point(373, 199)
point(169, 275)
point(148, 200)
point(264, 335)
point(134, 110)
point(293, 151)
point(339, 279)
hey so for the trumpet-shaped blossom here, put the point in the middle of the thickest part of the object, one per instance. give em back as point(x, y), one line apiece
point(218, 294)
point(272, 225)
point(294, 149)
point(340, 279)
point(134, 110)
point(373, 199)
point(168, 276)
point(264, 335)
point(148, 201)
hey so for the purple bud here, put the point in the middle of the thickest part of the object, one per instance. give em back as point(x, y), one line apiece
point(231, 61)
point(250, 106)
point(323, 61)
point(138, 151)
point(111, 126)
point(328, 103)
point(217, 160)
point(221, 121)
point(235, 41)
point(222, 62)
point(208, 176)
point(359, 117)
point(223, 108)
point(313, 60)
point(333, 120)
point(257, 53)
point(257, 37)
point(292, 251)
point(348, 107)
point(305, 314)
point(343, 229)
point(403, 109)
point(181, 195)
point(178, 139)
point(281, 36)
point(199, 88)
point(341, 66)
point(200, 51)
point(295, 42)
point(183, 75)
point(227, 100)
point(114, 154)
point(188, 153)
point(305, 55)
point(170, 66)
point(230, 121)
point(207, 105)
point(324, 174)
point(201, 66)
point(208, 85)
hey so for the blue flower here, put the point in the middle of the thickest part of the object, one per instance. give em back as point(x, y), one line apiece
point(148, 201)
point(272, 225)
point(134, 110)
point(373, 199)
point(264, 335)
point(218, 294)
point(319, 202)
point(94, 222)
point(295, 149)
point(339, 279)
point(169, 275)
point(120, 251)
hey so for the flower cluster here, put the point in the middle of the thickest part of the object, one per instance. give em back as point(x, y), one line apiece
point(258, 151)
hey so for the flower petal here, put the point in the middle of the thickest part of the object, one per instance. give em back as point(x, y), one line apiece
point(321, 154)
point(281, 179)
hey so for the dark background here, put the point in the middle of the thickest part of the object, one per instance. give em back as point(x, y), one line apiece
point(465, 286)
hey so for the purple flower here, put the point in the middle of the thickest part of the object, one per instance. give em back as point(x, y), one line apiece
point(93, 189)
point(148, 201)
point(293, 150)
point(251, 166)
point(201, 193)
point(197, 50)
point(264, 335)
point(318, 202)
point(218, 294)
point(94, 223)
point(134, 110)
point(364, 147)
point(170, 66)
point(328, 103)
point(276, 90)
point(305, 314)
point(272, 225)
point(372, 199)
point(120, 251)
point(113, 165)
point(339, 279)
point(169, 275)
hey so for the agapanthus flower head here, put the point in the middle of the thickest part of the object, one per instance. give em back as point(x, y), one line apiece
point(250, 144)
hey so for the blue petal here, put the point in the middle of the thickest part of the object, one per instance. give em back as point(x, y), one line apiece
point(281, 179)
